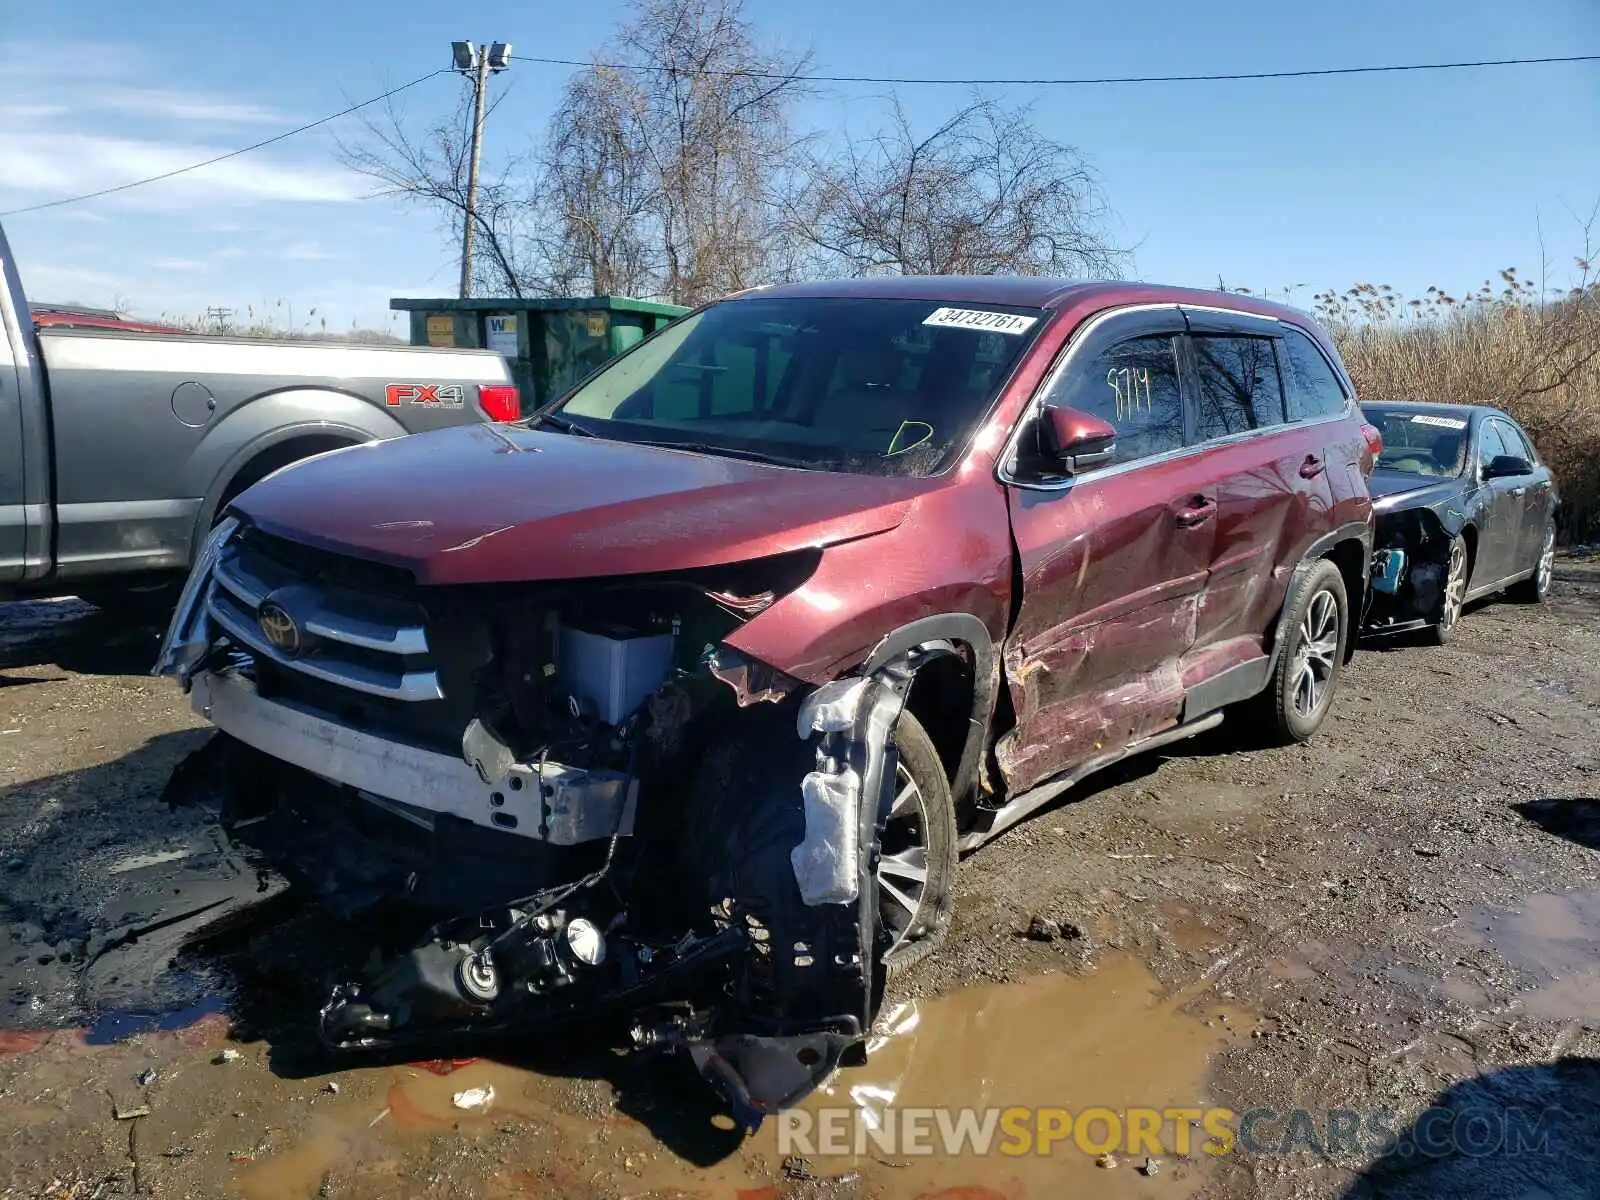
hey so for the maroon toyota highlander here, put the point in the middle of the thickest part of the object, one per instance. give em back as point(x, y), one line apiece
point(679, 700)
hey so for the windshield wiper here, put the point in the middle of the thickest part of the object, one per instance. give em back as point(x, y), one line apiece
point(564, 424)
point(761, 456)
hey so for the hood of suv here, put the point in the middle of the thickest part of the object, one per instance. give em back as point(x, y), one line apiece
point(482, 504)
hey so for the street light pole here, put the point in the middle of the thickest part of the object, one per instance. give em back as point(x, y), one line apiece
point(479, 62)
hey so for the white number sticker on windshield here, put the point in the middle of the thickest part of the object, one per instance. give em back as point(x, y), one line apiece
point(973, 318)
point(1441, 422)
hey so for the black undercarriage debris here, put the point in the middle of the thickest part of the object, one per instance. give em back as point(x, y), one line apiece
point(694, 859)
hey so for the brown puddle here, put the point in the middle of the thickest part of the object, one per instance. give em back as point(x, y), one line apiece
point(1556, 938)
point(1106, 1040)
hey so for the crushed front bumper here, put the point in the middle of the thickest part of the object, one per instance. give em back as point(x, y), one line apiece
point(687, 965)
point(558, 804)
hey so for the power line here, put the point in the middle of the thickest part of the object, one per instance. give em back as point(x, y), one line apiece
point(288, 133)
point(1373, 70)
point(874, 79)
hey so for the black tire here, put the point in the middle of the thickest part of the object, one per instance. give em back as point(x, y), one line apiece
point(146, 607)
point(1536, 587)
point(745, 807)
point(929, 828)
point(1457, 574)
point(1300, 692)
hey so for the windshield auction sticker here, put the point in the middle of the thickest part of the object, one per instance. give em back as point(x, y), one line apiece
point(973, 318)
point(1440, 422)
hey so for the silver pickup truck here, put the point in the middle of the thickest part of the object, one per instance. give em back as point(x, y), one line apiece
point(118, 450)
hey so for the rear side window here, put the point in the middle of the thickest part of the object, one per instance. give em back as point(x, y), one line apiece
point(1311, 388)
point(1134, 386)
point(1238, 384)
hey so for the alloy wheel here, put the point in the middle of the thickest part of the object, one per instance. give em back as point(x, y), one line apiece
point(1316, 653)
point(1547, 560)
point(903, 865)
point(1455, 587)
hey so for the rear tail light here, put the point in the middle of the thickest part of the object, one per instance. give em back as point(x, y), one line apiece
point(1374, 437)
point(500, 402)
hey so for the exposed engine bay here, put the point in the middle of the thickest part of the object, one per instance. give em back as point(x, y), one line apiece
point(581, 799)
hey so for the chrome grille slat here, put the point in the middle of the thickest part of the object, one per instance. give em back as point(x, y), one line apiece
point(358, 677)
point(349, 629)
point(331, 617)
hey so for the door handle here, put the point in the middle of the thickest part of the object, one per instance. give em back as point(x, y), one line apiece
point(1312, 467)
point(1196, 514)
point(1518, 491)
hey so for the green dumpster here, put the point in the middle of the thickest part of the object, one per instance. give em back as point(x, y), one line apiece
point(549, 343)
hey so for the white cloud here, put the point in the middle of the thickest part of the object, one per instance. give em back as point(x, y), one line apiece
point(266, 223)
point(169, 105)
point(31, 112)
point(51, 281)
point(49, 164)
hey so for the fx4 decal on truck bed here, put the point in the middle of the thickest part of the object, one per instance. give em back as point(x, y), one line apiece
point(425, 395)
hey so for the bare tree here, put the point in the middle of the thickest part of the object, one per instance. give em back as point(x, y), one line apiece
point(429, 170)
point(666, 156)
point(984, 193)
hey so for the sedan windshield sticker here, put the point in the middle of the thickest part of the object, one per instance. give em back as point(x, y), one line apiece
point(1441, 422)
point(973, 318)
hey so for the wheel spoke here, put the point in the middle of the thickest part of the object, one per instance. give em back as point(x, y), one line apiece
point(902, 873)
point(899, 898)
point(1324, 650)
point(908, 864)
point(1304, 690)
point(907, 798)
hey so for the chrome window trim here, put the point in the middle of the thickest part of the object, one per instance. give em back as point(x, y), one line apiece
point(1074, 349)
point(1230, 313)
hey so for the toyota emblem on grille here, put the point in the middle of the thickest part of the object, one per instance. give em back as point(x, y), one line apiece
point(279, 627)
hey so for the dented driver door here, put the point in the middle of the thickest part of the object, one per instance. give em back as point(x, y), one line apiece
point(1113, 561)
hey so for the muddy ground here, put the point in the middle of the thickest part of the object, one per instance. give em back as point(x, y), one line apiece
point(1404, 914)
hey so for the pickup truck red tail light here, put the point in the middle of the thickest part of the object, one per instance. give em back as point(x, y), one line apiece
point(1374, 437)
point(500, 402)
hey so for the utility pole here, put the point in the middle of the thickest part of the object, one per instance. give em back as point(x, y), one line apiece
point(478, 62)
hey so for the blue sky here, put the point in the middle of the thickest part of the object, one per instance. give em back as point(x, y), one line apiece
point(1416, 179)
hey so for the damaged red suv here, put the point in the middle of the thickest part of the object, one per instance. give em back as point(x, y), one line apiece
point(680, 699)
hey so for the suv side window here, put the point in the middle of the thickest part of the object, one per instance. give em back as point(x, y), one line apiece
point(1238, 385)
point(1134, 386)
point(1312, 389)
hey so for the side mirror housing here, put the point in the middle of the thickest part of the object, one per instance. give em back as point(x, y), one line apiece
point(1504, 466)
point(1076, 441)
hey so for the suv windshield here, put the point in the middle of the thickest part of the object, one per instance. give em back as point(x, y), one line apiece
point(1420, 443)
point(879, 387)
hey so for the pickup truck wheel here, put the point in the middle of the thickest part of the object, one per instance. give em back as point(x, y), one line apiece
point(1301, 689)
point(916, 869)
